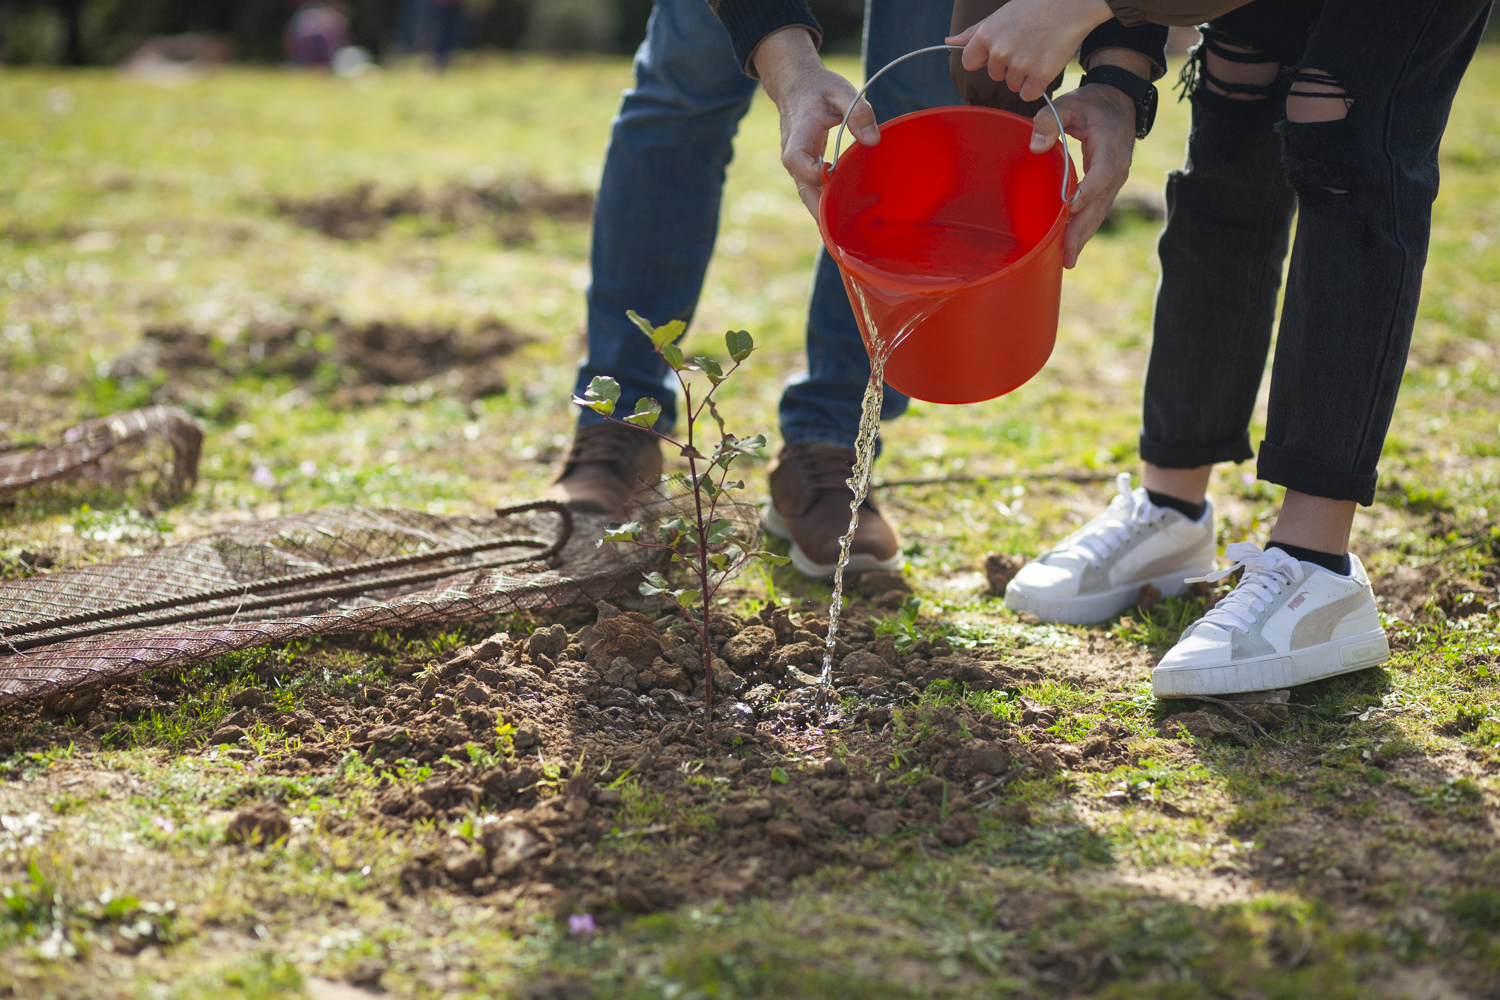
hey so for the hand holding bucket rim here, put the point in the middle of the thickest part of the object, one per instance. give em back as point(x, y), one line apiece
point(1062, 134)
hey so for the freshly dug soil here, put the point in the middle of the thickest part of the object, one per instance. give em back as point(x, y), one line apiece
point(604, 789)
point(354, 360)
point(506, 207)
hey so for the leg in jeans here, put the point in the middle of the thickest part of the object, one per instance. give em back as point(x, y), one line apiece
point(1229, 214)
point(823, 404)
point(658, 207)
point(1366, 112)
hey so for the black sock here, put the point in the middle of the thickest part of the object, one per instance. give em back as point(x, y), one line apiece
point(1192, 511)
point(1334, 564)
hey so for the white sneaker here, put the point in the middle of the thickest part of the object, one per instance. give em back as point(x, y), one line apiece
point(1287, 622)
point(1096, 572)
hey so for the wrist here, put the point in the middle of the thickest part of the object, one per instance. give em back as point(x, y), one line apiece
point(1092, 13)
point(1134, 88)
point(782, 52)
point(1126, 59)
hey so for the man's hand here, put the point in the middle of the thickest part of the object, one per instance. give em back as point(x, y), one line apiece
point(812, 100)
point(1102, 119)
point(1026, 43)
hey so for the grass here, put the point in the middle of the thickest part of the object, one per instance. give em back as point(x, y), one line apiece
point(1348, 855)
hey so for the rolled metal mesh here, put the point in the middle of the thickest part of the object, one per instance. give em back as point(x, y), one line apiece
point(451, 588)
point(99, 448)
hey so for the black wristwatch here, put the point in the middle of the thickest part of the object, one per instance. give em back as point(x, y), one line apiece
point(1142, 92)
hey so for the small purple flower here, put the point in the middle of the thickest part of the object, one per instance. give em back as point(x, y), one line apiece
point(263, 477)
point(581, 923)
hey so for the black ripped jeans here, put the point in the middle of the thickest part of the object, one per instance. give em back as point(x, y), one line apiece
point(1362, 188)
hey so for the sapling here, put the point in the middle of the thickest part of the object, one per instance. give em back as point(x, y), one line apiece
point(706, 542)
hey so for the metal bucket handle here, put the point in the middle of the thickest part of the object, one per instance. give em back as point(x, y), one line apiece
point(839, 139)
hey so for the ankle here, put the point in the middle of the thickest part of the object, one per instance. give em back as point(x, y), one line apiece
point(1334, 562)
point(1188, 509)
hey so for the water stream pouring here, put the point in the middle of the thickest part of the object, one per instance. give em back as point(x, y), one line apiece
point(948, 235)
point(950, 230)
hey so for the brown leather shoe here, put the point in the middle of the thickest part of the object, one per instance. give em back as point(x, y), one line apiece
point(810, 508)
point(607, 465)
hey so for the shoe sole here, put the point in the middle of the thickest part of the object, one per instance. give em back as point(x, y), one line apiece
point(859, 562)
point(1282, 670)
point(1087, 609)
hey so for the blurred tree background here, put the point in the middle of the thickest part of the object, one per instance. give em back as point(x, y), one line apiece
point(103, 32)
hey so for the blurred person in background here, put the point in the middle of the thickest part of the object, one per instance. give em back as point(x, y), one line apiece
point(443, 24)
point(315, 32)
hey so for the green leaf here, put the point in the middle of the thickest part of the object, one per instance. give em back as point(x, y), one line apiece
point(684, 597)
point(646, 413)
point(602, 394)
point(739, 343)
point(770, 557)
point(710, 368)
point(672, 355)
point(654, 584)
point(688, 451)
point(719, 560)
point(664, 334)
point(671, 530)
point(714, 412)
point(720, 531)
point(627, 532)
point(779, 776)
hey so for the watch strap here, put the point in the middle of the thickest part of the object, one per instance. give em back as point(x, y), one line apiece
point(1141, 92)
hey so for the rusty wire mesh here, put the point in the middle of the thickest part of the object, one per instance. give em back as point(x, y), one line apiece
point(164, 439)
point(306, 545)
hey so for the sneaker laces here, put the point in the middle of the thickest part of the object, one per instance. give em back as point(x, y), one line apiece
point(1265, 575)
point(825, 468)
point(609, 444)
point(1126, 514)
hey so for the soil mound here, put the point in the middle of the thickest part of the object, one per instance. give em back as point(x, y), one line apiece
point(575, 771)
point(505, 207)
point(352, 361)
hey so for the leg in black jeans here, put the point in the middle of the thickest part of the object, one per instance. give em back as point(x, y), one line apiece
point(1365, 185)
point(1229, 216)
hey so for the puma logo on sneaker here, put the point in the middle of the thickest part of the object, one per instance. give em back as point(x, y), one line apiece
point(1096, 572)
point(1286, 622)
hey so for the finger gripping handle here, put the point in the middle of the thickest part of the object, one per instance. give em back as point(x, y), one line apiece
point(1062, 135)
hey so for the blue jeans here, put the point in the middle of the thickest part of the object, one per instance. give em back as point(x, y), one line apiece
point(658, 208)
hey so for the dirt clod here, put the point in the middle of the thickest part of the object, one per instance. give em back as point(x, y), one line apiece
point(1147, 597)
point(958, 829)
point(1000, 569)
point(1203, 726)
point(258, 824)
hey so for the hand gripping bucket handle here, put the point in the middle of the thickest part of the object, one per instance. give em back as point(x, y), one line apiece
point(1062, 135)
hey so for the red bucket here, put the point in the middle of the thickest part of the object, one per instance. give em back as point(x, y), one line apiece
point(948, 234)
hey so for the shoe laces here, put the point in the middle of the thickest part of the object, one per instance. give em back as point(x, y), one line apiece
point(1266, 574)
point(825, 468)
point(1126, 515)
point(610, 444)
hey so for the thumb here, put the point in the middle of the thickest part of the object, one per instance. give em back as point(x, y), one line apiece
point(1043, 131)
point(962, 38)
point(862, 123)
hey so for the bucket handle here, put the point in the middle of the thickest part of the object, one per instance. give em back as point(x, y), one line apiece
point(839, 139)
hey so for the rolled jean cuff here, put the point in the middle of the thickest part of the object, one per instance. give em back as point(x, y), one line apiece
point(1286, 468)
point(1177, 456)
